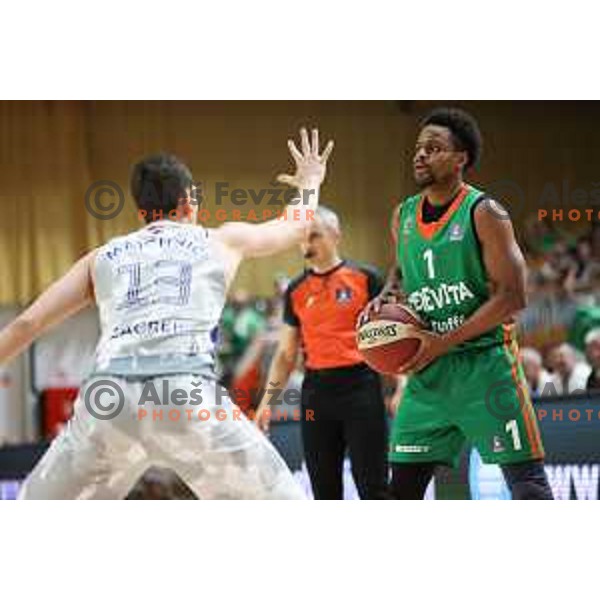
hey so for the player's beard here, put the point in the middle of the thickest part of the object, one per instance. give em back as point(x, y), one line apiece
point(425, 182)
point(309, 254)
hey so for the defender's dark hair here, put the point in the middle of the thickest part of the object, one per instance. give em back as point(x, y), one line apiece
point(158, 183)
point(463, 128)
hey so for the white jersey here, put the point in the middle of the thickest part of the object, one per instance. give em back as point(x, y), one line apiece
point(160, 292)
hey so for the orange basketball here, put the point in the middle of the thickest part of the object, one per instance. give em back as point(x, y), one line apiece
point(390, 339)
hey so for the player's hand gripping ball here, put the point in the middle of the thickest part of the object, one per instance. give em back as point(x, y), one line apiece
point(390, 338)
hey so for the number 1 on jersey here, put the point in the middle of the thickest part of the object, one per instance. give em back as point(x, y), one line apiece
point(428, 257)
point(513, 429)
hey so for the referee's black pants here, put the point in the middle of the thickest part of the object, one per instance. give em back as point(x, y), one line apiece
point(348, 414)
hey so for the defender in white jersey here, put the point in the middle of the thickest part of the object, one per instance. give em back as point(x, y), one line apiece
point(160, 292)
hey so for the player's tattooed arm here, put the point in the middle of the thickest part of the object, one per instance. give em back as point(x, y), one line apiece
point(248, 240)
point(65, 297)
point(506, 272)
point(282, 365)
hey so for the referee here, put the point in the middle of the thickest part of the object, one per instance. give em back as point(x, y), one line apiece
point(342, 398)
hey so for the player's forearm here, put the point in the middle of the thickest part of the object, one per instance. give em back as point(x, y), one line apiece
point(276, 235)
point(300, 212)
point(62, 300)
point(500, 308)
point(291, 228)
point(279, 374)
point(15, 338)
point(65, 297)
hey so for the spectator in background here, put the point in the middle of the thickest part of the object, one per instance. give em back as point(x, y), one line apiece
point(583, 259)
point(248, 322)
point(539, 380)
point(569, 375)
point(242, 320)
point(559, 265)
point(539, 236)
point(595, 241)
point(250, 372)
point(592, 350)
point(583, 275)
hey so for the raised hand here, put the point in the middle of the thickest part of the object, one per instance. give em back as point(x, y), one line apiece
point(310, 165)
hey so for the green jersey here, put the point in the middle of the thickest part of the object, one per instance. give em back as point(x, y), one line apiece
point(441, 266)
point(479, 397)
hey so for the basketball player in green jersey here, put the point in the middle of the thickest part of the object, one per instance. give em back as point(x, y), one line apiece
point(460, 269)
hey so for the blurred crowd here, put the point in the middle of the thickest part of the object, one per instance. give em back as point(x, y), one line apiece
point(248, 333)
point(564, 370)
point(560, 329)
point(562, 264)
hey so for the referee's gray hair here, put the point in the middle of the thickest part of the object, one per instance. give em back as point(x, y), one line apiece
point(329, 217)
point(592, 336)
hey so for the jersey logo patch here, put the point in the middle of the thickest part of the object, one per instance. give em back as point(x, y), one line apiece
point(456, 233)
point(343, 295)
point(497, 445)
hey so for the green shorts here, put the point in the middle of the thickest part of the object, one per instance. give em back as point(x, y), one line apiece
point(477, 396)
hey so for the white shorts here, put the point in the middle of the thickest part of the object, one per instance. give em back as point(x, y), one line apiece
point(120, 427)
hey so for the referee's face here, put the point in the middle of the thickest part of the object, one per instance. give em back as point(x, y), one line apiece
point(321, 245)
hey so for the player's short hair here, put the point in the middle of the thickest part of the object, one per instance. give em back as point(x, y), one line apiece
point(158, 183)
point(592, 336)
point(464, 130)
point(329, 217)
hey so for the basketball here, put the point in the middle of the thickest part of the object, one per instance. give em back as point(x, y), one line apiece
point(390, 339)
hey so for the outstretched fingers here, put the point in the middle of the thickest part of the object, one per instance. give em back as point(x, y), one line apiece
point(297, 155)
point(305, 143)
point(309, 147)
point(315, 142)
point(326, 152)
